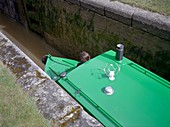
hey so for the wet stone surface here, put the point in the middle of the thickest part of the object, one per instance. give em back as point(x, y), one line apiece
point(52, 101)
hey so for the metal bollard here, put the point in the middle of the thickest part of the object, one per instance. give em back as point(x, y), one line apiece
point(119, 52)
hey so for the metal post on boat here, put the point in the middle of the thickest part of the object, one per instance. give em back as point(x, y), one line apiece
point(119, 52)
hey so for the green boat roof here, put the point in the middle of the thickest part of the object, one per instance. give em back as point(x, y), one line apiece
point(140, 98)
point(56, 65)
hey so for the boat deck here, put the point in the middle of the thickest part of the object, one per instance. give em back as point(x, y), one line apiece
point(140, 97)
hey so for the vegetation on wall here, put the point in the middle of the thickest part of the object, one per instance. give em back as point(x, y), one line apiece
point(76, 33)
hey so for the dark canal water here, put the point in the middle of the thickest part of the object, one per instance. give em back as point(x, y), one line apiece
point(29, 42)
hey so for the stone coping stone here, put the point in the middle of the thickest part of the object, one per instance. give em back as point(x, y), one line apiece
point(95, 5)
point(120, 12)
point(53, 102)
point(154, 23)
point(151, 22)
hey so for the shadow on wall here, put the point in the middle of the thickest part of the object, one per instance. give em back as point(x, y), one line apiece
point(158, 63)
point(9, 7)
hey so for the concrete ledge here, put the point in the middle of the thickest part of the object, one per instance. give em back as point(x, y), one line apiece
point(153, 23)
point(95, 5)
point(120, 12)
point(52, 101)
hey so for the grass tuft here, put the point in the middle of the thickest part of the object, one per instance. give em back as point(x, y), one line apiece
point(16, 108)
point(160, 6)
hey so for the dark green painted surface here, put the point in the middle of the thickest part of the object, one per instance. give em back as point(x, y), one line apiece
point(140, 97)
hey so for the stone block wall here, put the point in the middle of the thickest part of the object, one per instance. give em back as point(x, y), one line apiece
point(97, 26)
point(14, 9)
point(9, 8)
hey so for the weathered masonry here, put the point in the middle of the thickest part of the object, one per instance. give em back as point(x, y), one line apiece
point(98, 25)
point(52, 101)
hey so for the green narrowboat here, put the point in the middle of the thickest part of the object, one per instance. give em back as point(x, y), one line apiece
point(116, 92)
